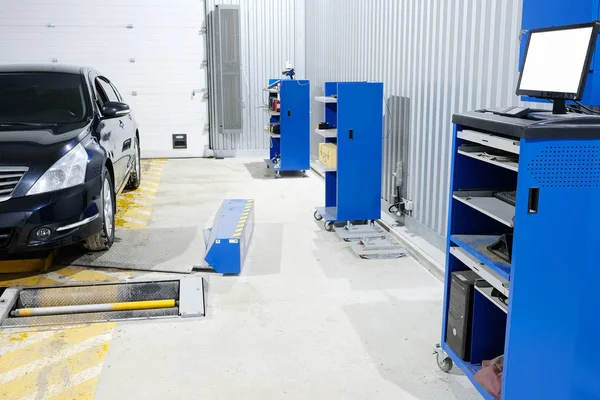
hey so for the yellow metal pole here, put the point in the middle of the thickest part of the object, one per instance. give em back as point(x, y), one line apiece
point(89, 308)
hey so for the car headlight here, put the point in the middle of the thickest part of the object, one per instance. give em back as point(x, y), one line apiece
point(67, 172)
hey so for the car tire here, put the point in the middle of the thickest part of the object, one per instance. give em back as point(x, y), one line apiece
point(104, 239)
point(135, 177)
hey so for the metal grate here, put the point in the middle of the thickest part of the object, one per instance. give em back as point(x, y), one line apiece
point(567, 167)
point(9, 179)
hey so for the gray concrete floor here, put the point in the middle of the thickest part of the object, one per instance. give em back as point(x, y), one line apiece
point(305, 320)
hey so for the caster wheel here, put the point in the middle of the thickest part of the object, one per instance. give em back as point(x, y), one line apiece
point(277, 175)
point(445, 363)
point(304, 174)
point(329, 226)
point(318, 216)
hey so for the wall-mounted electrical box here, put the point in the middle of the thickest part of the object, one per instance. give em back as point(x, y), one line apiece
point(548, 13)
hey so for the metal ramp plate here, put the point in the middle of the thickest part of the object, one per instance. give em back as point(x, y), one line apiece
point(77, 304)
point(177, 250)
point(370, 242)
point(228, 241)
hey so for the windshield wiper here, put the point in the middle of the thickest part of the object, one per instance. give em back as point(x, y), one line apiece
point(35, 124)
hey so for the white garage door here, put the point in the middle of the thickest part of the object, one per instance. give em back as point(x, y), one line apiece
point(152, 50)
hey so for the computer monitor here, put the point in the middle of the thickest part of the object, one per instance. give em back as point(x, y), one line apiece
point(557, 63)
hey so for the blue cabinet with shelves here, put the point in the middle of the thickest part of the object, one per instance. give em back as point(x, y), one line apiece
point(539, 307)
point(353, 111)
point(289, 126)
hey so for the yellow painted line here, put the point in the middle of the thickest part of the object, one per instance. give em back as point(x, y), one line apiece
point(52, 380)
point(54, 364)
point(52, 350)
point(83, 275)
point(83, 391)
point(21, 280)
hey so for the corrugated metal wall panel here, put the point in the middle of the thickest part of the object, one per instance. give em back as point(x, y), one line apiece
point(272, 32)
point(436, 57)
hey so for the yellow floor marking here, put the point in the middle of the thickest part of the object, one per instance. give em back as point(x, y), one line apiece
point(8, 280)
point(57, 377)
point(135, 208)
point(50, 350)
point(85, 275)
point(83, 391)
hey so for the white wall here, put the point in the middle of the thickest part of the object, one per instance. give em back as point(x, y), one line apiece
point(164, 44)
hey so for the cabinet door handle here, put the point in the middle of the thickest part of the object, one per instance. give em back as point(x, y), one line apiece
point(289, 113)
point(534, 200)
point(351, 134)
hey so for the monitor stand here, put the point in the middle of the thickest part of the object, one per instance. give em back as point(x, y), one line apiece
point(559, 107)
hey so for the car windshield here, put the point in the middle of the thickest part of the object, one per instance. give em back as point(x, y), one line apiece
point(41, 98)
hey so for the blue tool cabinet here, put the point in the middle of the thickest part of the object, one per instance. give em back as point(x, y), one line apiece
point(289, 149)
point(353, 188)
point(551, 325)
point(548, 13)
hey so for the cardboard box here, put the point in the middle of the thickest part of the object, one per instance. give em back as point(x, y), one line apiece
point(328, 154)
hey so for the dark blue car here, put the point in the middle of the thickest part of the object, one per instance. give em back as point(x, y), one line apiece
point(68, 146)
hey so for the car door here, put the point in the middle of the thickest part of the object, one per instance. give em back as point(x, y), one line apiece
point(130, 132)
point(118, 139)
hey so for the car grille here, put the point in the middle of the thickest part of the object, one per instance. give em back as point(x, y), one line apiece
point(9, 179)
point(5, 235)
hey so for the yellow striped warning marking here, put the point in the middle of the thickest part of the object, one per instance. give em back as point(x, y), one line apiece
point(60, 364)
point(134, 209)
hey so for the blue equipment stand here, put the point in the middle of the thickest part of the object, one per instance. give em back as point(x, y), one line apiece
point(353, 188)
point(228, 241)
point(290, 149)
point(550, 327)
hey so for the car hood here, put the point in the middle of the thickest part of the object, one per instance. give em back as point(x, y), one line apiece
point(38, 147)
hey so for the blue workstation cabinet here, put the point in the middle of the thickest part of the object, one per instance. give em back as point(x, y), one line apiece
point(353, 111)
point(548, 13)
point(540, 306)
point(289, 126)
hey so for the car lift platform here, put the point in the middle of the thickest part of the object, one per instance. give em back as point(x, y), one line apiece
point(228, 241)
point(100, 302)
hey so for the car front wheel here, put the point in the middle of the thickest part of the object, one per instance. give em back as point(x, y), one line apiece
point(106, 237)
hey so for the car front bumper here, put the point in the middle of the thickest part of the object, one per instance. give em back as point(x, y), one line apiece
point(71, 215)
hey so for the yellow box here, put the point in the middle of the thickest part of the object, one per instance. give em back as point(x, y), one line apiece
point(328, 154)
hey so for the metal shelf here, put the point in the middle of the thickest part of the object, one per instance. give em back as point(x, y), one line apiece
point(485, 272)
point(476, 246)
point(480, 153)
point(485, 202)
point(272, 113)
point(486, 289)
point(494, 141)
point(324, 167)
point(325, 99)
point(327, 133)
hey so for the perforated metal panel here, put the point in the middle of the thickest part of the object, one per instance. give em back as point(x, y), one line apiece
point(226, 72)
point(567, 167)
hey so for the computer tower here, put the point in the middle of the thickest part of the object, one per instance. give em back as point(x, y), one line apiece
point(458, 334)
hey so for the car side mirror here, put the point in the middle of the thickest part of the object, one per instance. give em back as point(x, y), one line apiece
point(115, 109)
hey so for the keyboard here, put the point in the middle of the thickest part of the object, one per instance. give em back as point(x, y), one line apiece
point(507, 197)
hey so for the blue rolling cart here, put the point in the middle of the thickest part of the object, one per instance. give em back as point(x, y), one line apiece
point(289, 128)
point(353, 188)
point(540, 310)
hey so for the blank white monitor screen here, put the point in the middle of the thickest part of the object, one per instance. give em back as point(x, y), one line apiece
point(555, 60)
